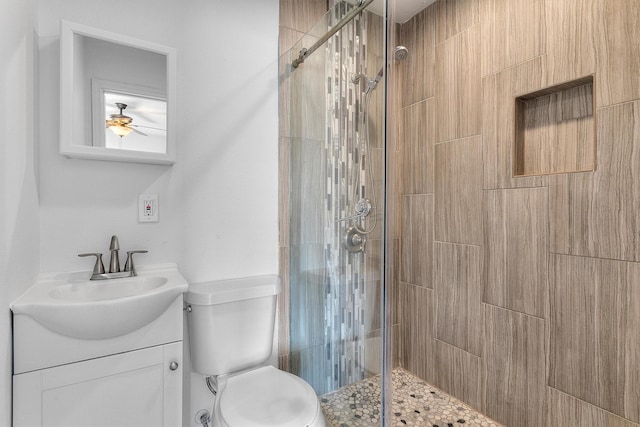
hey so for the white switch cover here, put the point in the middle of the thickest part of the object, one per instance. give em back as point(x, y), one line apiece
point(148, 208)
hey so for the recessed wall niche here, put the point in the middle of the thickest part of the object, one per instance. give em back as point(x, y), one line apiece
point(555, 130)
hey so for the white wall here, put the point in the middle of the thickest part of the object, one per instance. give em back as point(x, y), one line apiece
point(84, 202)
point(218, 203)
point(229, 103)
point(18, 192)
point(230, 123)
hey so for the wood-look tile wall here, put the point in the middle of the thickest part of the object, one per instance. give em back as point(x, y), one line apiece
point(458, 92)
point(498, 124)
point(515, 261)
point(458, 292)
point(594, 351)
point(556, 351)
point(533, 281)
point(418, 36)
point(596, 214)
point(458, 190)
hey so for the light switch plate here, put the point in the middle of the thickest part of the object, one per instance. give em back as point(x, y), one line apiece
point(148, 208)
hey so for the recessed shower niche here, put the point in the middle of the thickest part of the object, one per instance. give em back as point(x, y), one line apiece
point(555, 130)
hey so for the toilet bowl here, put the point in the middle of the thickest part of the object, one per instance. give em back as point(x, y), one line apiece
point(266, 396)
point(231, 325)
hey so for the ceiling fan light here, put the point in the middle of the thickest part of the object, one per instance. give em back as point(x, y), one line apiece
point(120, 130)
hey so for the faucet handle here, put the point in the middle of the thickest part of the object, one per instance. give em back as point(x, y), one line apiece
point(128, 266)
point(98, 268)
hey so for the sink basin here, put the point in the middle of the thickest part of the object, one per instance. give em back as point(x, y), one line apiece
point(105, 290)
point(71, 305)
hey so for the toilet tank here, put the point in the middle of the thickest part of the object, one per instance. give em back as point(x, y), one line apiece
point(231, 323)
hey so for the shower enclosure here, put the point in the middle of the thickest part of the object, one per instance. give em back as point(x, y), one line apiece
point(339, 317)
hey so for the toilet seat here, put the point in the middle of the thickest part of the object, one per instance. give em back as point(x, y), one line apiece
point(269, 397)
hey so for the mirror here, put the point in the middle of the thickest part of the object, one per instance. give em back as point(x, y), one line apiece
point(117, 97)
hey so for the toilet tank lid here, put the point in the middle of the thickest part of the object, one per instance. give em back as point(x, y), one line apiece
point(224, 291)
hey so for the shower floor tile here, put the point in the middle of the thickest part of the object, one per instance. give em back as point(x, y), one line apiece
point(415, 403)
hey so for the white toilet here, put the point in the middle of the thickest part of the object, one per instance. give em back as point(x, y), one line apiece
point(231, 324)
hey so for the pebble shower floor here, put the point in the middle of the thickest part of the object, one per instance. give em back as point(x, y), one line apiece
point(415, 403)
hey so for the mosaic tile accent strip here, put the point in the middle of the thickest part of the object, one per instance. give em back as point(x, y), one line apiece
point(415, 403)
point(328, 295)
point(346, 295)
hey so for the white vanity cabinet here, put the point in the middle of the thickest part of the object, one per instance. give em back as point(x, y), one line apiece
point(140, 387)
point(94, 360)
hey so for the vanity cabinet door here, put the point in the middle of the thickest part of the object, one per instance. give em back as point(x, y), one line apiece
point(142, 387)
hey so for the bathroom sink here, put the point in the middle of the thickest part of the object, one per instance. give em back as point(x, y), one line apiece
point(87, 290)
point(71, 305)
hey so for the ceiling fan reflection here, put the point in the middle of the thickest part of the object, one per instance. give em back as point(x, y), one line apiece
point(121, 124)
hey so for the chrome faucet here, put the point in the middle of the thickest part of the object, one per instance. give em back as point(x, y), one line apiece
point(114, 263)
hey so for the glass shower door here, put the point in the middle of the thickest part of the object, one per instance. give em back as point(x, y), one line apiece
point(337, 223)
